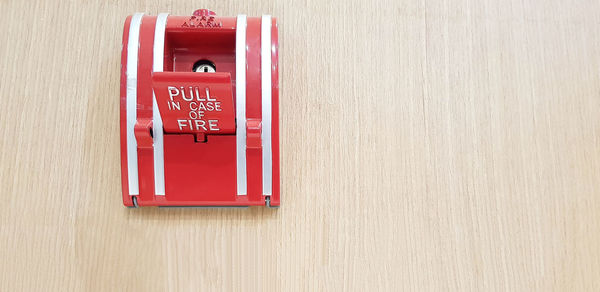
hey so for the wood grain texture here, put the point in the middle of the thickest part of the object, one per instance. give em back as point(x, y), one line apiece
point(426, 146)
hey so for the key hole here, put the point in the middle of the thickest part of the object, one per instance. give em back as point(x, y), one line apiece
point(204, 66)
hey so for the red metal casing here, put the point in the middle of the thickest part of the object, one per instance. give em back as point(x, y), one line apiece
point(199, 138)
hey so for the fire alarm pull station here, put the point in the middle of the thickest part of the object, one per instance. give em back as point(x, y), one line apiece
point(199, 110)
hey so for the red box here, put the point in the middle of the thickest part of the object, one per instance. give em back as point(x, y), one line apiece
point(199, 110)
